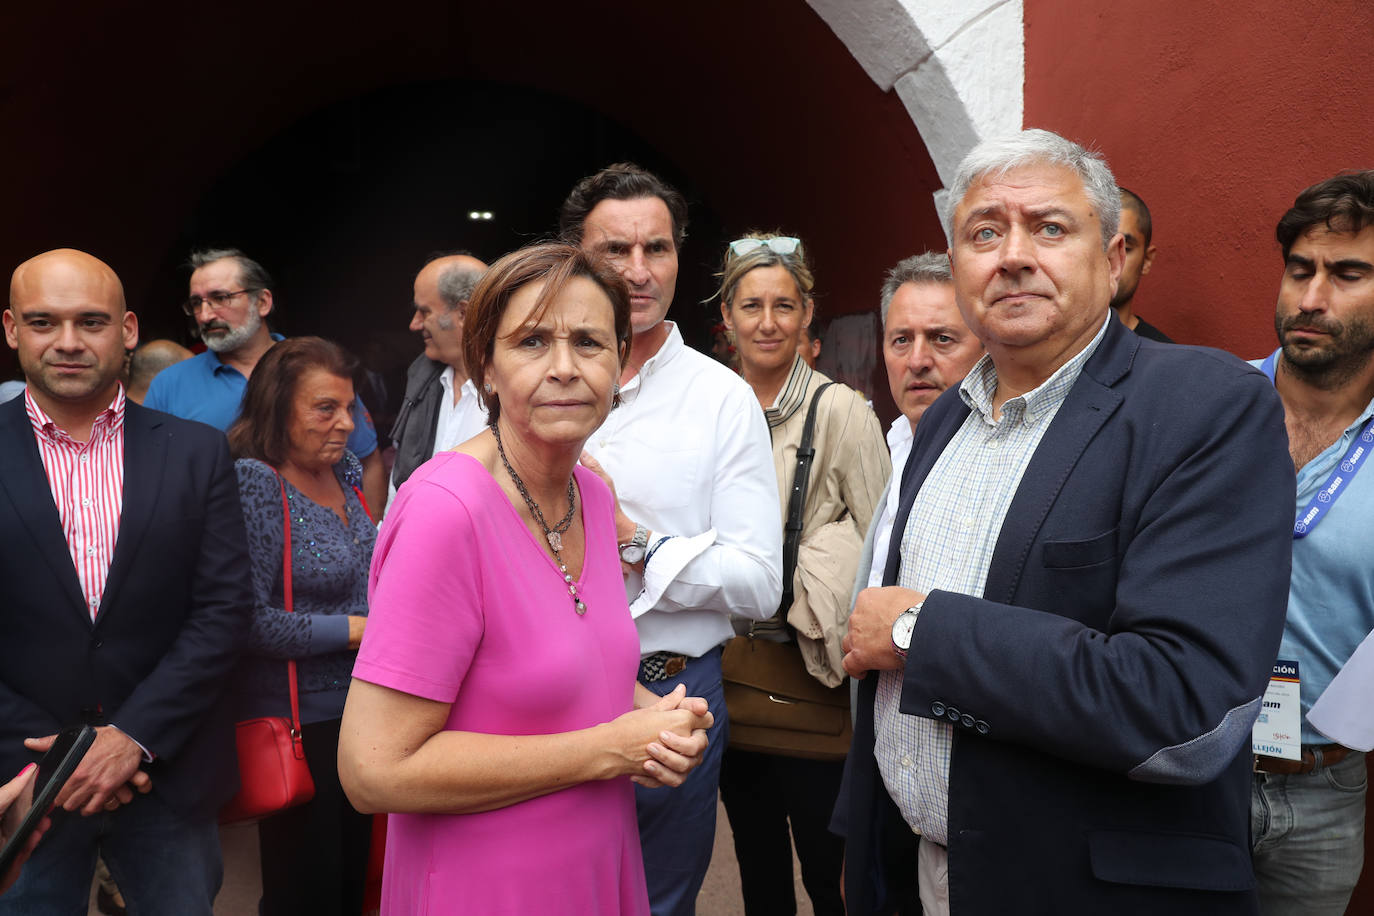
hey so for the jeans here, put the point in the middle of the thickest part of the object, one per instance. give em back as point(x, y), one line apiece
point(1307, 832)
point(677, 827)
point(163, 862)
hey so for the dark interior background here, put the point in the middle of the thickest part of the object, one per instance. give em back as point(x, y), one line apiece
point(341, 145)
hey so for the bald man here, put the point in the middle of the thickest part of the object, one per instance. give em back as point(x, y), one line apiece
point(441, 408)
point(126, 574)
point(147, 361)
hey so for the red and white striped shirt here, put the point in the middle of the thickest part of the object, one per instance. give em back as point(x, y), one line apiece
point(87, 480)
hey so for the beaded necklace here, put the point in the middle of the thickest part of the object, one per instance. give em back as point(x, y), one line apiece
point(553, 534)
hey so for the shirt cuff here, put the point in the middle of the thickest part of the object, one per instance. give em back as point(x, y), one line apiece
point(669, 561)
point(147, 754)
point(328, 633)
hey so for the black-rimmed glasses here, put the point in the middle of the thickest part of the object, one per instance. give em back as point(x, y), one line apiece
point(217, 298)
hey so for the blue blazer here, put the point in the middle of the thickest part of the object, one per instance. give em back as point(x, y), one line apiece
point(1103, 690)
point(176, 605)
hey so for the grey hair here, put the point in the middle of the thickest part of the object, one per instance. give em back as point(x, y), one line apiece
point(929, 267)
point(252, 275)
point(456, 284)
point(1000, 155)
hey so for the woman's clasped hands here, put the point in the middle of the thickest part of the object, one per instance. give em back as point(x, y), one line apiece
point(663, 739)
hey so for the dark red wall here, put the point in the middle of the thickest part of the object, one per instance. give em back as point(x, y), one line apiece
point(1217, 115)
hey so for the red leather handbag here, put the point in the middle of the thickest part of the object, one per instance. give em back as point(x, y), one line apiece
point(273, 774)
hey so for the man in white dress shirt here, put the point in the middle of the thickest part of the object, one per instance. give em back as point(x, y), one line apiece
point(441, 408)
point(697, 516)
point(926, 348)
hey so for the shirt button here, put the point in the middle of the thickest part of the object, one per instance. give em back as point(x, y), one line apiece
point(90, 551)
point(84, 457)
point(968, 524)
point(992, 443)
point(906, 760)
point(85, 502)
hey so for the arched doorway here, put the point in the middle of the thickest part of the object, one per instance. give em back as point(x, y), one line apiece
point(758, 107)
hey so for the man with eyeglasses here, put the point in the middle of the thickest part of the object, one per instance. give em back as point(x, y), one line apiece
point(231, 297)
point(697, 512)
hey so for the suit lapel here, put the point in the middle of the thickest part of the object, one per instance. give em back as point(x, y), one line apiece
point(145, 455)
point(1090, 401)
point(26, 485)
point(924, 452)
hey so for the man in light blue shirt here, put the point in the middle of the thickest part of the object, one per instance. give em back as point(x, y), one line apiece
point(1307, 815)
point(230, 299)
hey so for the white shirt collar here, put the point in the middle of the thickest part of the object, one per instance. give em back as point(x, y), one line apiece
point(899, 433)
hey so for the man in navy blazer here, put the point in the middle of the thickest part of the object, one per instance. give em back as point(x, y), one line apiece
point(1084, 591)
point(131, 627)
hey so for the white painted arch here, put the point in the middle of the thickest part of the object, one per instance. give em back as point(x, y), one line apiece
point(957, 65)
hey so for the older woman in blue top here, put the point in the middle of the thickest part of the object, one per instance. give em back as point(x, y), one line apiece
point(292, 433)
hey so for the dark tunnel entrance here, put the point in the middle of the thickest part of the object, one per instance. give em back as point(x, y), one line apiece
point(343, 207)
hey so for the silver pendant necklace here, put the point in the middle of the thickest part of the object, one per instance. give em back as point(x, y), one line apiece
point(554, 534)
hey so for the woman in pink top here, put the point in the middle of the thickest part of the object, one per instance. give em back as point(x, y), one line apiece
point(494, 708)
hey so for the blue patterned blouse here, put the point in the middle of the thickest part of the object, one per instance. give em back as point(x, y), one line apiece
point(329, 571)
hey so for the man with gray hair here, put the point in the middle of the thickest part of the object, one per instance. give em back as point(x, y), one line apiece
point(926, 348)
point(1084, 590)
point(441, 408)
point(230, 299)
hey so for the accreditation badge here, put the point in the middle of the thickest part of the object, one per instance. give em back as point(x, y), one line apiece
point(1278, 730)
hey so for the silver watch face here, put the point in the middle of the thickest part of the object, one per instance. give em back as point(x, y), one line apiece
point(902, 629)
point(634, 551)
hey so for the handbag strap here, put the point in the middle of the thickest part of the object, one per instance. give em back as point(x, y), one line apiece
point(286, 594)
point(796, 503)
point(362, 500)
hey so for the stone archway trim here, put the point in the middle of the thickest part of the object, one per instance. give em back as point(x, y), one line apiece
point(957, 65)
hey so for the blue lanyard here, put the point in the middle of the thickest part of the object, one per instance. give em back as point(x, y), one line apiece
point(1341, 475)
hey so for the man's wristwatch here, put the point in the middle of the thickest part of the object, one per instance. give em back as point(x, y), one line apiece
point(633, 552)
point(903, 627)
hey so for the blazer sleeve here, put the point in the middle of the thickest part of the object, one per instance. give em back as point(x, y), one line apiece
point(1143, 650)
point(172, 701)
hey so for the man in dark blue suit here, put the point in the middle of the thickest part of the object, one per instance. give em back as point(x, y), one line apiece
point(1084, 590)
point(125, 565)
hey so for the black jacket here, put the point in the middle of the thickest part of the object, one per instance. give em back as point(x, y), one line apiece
point(418, 418)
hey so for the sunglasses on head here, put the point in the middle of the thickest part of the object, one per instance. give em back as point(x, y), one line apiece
point(782, 245)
